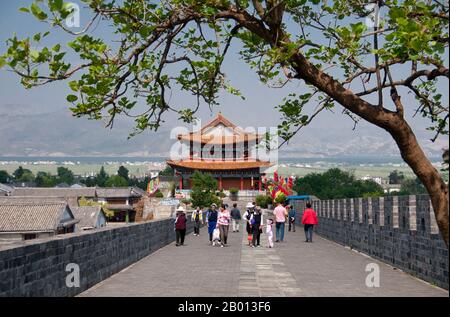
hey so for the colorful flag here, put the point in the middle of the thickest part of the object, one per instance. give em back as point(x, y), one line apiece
point(290, 182)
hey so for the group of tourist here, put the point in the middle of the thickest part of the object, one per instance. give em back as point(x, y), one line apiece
point(218, 222)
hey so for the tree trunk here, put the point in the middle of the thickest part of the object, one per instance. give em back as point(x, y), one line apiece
point(392, 122)
point(414, 156)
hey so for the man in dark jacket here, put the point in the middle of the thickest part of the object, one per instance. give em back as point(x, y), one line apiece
point(212, 221)
point(292, 214)
point(180, 226)
point(235, 217)
point(256, 223)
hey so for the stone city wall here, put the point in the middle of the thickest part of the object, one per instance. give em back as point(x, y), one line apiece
point(38, 267)
point(398, 230)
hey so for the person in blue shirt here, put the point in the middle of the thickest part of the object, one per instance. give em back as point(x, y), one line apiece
point(212, 221)
point(292, 214)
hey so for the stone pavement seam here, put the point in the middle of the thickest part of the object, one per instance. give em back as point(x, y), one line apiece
point(271, 278)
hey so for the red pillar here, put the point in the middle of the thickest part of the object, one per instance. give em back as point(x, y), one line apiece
point(181, 182)
point(220, 182)
point(260, 184)
point(242, 183)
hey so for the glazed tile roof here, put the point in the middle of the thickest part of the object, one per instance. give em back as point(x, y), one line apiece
point(239, 135)
point(218, 165)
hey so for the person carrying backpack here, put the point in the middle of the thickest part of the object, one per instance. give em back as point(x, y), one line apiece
point(197, 217)
point(247, 217)
point(256, 221)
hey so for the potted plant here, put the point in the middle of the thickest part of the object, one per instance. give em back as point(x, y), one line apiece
point(234, 193)
point(261, 200)
point(269, 202)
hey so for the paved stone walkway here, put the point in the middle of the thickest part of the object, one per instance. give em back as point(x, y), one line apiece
point(292, 268)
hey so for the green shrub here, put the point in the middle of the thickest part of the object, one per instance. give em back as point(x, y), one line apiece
point(263, 201)
point(203, 191)
point(269, 200)
point(186, 201)
point(234, 190)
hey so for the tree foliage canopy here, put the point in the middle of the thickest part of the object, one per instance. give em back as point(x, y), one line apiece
point(203, 191)
point(336, 184)
point(4, 177)
point(149, 37)
point(159, 48)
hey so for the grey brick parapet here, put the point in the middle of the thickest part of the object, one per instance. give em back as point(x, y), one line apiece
point(398, 230)
point(38, 268)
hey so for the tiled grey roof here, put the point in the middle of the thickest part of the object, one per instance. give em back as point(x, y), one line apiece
point(54, 192)
point(5, 189)
point(88, 215)
point(71, 201)
point(31, 216)
point(120, 192)
point(137, 191)
point(111, 192)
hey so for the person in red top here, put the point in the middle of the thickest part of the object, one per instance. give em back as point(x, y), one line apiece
point(309, 219)
point(180, 226)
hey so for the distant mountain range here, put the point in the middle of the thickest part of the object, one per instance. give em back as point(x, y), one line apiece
point(31, 131)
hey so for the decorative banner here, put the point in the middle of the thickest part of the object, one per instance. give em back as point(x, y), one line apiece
point(280, 185)
point(290, 182)
point(153, 185)
point(275, 176)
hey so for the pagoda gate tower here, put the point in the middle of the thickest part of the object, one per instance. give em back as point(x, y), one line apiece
point(223, 150)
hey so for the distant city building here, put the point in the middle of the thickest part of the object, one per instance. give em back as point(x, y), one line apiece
point(377, 180)
point(26, 220)
point(391, 188)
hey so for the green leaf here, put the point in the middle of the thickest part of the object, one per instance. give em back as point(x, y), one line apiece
point(56, 5)
point(34, 54)
point(56, 48)
point(72, 98)
point(2, 62)
point(37, 12)
point(416, 44)
point(74, 85)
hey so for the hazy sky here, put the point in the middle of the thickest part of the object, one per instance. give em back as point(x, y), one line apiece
point(256, 110)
